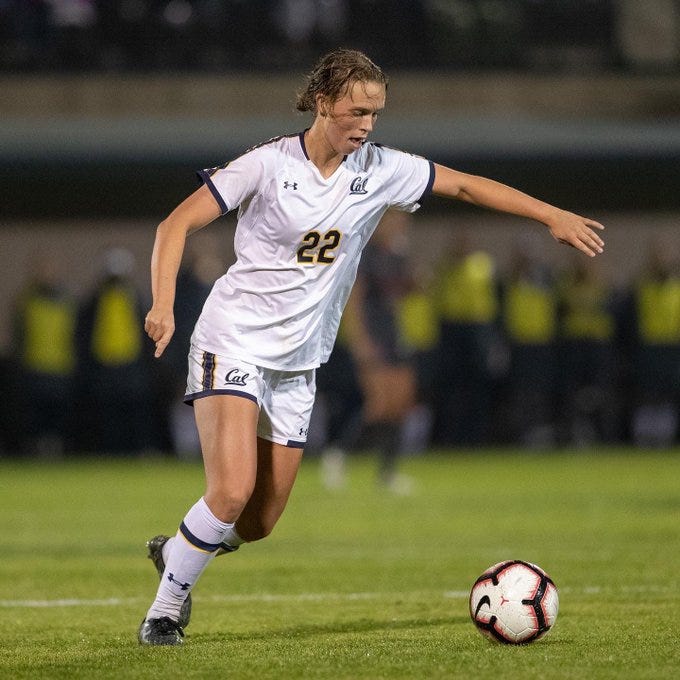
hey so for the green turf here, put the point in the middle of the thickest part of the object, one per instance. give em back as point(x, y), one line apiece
point(355, 583)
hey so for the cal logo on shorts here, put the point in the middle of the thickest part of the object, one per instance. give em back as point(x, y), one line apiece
point(236, 377)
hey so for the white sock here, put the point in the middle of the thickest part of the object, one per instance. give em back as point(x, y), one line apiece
point(195, 544)
point(231, 540)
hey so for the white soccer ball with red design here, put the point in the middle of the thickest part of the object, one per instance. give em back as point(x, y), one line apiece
point(514, 602)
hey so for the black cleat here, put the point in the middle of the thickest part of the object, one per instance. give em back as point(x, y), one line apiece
point(155, 546)
point(163, 631)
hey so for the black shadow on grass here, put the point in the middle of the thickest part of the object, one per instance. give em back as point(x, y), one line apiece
point(339, 628)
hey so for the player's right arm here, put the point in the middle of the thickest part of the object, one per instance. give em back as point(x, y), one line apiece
point(195, 212)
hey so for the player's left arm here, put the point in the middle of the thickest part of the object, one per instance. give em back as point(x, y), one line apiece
point(565, 227)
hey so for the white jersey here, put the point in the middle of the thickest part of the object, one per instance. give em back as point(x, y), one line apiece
point(298, 242)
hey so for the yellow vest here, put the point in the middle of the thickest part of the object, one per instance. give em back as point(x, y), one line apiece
point(417, 320)
point(116, 337)
point(49, 336)
point(586, 315)
point(658, 308)
point(467, 292)
point(530, 313)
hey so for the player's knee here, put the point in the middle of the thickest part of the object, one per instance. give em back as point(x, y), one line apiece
point(227, 504)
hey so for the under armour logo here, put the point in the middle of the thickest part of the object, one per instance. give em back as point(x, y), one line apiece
point(183, 586)
point(290, 185)
point(303, 432)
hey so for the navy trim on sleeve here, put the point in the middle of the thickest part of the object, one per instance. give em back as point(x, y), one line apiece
point(204, 175)
point(430, 183)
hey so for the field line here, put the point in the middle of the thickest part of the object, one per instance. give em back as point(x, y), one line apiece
point(251, 597)
point(71, 602)
point(307, 597)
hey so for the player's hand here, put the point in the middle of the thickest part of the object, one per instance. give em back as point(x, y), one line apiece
point(578, 232)
point(160, 326)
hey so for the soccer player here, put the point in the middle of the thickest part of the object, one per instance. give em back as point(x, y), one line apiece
point(308, 203)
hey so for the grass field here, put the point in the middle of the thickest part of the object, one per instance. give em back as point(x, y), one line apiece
point(355, 583)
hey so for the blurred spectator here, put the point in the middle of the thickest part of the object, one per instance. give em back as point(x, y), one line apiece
point(529, 310)
point(45, 358)
point(308, 26)
point(419, 333)
point(589, 404)
point(336, 420)
point(651, 319)
point(649, 34)
point(116, 400)
point(467, 300)
point(385, 374)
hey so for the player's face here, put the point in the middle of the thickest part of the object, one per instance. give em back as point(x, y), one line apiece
point(351, 118)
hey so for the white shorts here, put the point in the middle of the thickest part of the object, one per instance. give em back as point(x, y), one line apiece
point(285, 398)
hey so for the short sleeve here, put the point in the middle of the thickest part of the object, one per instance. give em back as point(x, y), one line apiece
point(410, 179)
point(234, 182)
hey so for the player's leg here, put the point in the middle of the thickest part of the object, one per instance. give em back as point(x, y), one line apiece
point(287, 404)
point(287, 400)
point(226, 426)
point(277, 467)
point(389, 394)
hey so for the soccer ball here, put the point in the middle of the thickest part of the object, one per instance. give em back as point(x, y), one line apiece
point(514, 602)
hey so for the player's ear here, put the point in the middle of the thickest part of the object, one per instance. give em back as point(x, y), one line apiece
point(322, 107)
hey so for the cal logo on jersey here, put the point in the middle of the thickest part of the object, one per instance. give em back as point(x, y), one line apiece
point(358, 185)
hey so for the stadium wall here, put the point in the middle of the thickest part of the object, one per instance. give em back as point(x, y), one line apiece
point(125, 146)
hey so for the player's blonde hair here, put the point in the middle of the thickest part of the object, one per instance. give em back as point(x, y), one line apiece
point(334, 74)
